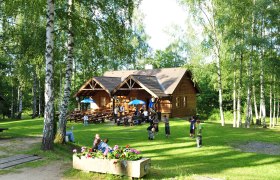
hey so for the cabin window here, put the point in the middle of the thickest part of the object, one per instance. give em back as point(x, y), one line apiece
point(184, 101)
point(177, 102)
point(103, 101)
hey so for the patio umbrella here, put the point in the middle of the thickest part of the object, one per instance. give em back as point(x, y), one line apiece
point(87, 100)
point(136, 102)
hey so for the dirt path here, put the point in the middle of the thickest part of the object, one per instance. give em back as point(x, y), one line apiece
point(52, 171)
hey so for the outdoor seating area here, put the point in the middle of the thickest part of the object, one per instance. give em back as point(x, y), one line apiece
point(93, 116)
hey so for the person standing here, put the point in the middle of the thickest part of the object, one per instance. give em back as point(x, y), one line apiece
point(121, 111)
point(116, 111)
point(85, 120)
point(151, 131)
point(167, 127)
point(146, 115)
point(198, 134)
point(192, 127)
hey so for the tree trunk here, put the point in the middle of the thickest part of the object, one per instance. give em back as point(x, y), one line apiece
point(270, 104)
point(255, 104)
point(39, 99)
point(34, 90)
point(60, 135)
point(239, 120)
point(274, 103)
point(262, 100)
point(249, 88)
point(19, 102)
point(220, 92)
point(12, 103)
point(234, 98)
point(48, 134)
point(278, 108)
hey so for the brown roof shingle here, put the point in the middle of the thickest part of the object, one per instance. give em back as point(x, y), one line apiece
point(168, 78)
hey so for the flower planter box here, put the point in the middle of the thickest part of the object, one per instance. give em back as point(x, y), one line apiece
point(135, 169)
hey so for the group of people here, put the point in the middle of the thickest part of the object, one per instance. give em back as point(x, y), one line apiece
point(196, 130)
point(153, 128)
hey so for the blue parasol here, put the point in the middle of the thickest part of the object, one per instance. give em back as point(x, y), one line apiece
point(87, 100)
point(136, 102)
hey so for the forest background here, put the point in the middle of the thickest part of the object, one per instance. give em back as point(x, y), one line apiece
point(235, 63)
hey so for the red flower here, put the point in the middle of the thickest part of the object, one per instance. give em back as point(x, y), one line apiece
point(88, 155)
point(127, 146)
point(90, 150)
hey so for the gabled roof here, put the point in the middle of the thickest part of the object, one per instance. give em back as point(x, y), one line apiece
point(168, 78)
point(148, 83)
point(99, 83)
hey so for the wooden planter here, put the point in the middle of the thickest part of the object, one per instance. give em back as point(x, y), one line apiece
point(135, 169)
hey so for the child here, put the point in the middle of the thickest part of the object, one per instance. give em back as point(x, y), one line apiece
point(167, 127)
point(192, 127)
point(96, 142)
point(199, 134)
point(151, 130)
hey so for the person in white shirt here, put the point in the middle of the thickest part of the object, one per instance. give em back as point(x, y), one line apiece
point(146, 115)
point(116, 111)
point(85, 120)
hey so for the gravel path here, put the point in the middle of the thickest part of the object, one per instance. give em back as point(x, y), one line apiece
point(260, 147)
point(52, 171)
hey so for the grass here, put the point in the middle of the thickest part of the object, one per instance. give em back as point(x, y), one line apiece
point(174, 158)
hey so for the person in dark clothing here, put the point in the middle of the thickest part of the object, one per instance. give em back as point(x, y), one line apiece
point(192, 126)
point(151, 130)
point(167, 127)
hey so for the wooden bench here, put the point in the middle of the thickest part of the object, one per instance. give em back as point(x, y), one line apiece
point(3, 129)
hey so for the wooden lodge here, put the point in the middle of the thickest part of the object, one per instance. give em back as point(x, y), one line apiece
point(172, 90)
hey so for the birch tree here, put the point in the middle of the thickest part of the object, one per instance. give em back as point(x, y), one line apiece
point(60, 135)
point(48, 134)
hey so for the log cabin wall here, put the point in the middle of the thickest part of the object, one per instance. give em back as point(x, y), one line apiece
point(165, 107)
point(103, 100)
point(184, 98)
point(139, 94)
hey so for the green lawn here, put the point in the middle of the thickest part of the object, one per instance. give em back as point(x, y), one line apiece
point(176, 157)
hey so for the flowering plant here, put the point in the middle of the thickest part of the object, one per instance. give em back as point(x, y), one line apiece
point(121, 153)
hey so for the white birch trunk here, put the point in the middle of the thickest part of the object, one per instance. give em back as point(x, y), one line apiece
point(278, 107)
point(274, 103)
point(220, 92)
point(34, 90)
point(249, 88)
point(270, 104)
point(255, 104)
point(12, 103)
point(39, 99)
point(234, 98)
point(262, 98)
point(48, 134)
point(239, 118)
point(19, 102)
point(68, 75)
